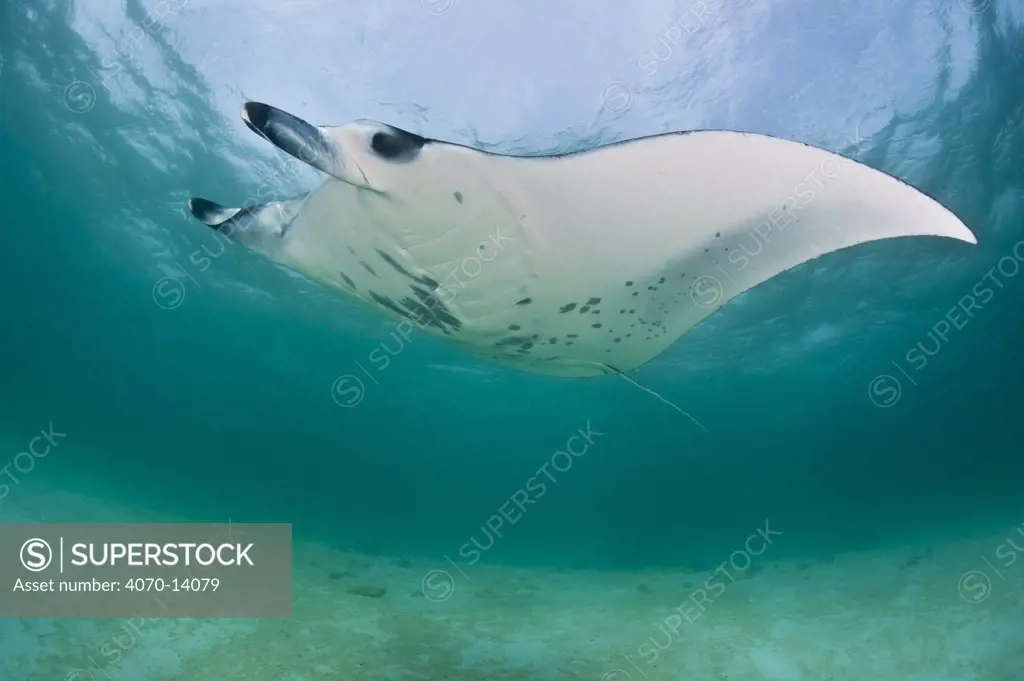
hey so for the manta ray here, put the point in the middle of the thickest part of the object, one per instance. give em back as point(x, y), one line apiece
point(580, 264)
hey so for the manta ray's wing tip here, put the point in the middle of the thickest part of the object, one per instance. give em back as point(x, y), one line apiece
point(958, 230)
point(937, 219)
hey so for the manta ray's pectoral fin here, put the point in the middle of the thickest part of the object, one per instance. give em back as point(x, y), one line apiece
point(259, 227)
point(317, 146)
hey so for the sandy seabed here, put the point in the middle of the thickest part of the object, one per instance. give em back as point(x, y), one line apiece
point(950, 612)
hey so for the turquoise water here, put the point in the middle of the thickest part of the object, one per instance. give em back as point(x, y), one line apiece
point(216, 402)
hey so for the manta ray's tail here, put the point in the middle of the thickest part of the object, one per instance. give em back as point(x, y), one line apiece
point(657, 396)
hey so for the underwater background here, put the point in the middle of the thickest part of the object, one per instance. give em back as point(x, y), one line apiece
point(840, 402)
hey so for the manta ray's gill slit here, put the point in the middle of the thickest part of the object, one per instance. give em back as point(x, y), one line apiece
point(423, 314)
point(389, 304)
point(442, 313)
point(394, 263)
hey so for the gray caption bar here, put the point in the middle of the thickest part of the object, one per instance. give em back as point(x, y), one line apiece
point(146, 570)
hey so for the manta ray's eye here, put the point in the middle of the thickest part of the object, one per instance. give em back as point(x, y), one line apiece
point(397, 145)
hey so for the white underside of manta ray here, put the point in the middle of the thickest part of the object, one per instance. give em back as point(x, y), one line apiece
point(577, 265)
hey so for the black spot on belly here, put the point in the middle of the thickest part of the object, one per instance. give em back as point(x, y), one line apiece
point(525, 301)
point(458, 196)
point(593, 301)
point(514, 327)
point(351, 284)
point(515, 340)
point(567, 308)
point(584, 309)
point(368, 268)
point(597, 325)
